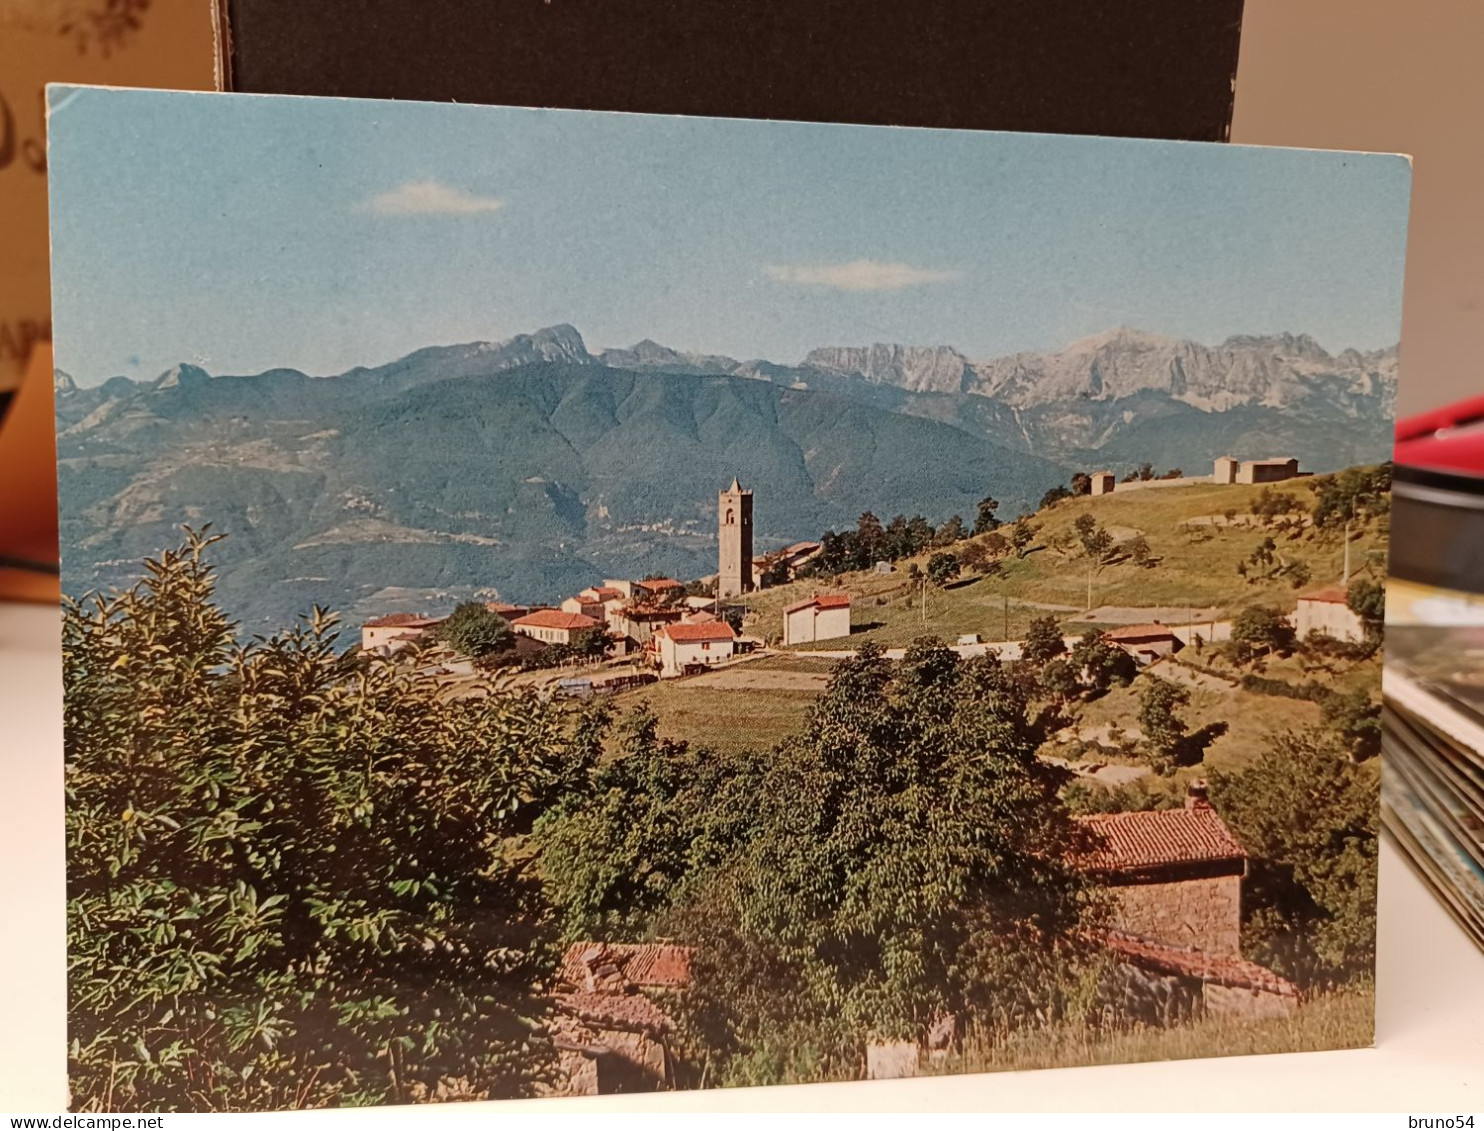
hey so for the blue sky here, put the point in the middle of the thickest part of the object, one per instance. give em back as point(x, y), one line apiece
point(242, 233)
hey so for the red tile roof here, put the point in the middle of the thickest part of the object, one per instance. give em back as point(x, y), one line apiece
point(652, 612)
point(822, 601)
point(641, 964)
point(698, 633)
point(1330, 595)
point(701, 616)
point(654, 584)
point(1224, 970)
point(800, 548)
point(503, 608)
point(553, 618)
point(631, 1013)
point(1131, 632)
point(607, 592)
point(1132, 842)
point(401, 620)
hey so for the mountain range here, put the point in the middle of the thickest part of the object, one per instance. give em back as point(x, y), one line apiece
point(532, 466)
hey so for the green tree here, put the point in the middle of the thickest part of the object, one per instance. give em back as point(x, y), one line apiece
point(950, 532)
point(1165, 731)
point(1043, 641)
point(1081, 483)
point(1259, 630)
point(281, 863)
point(984, 515)
point(1055, 495)
point(1355, 721)
point(1306, 813)
point(1096, 542)
point(1367, 600)
point(906, 861)
point(1022, 534)
point(943, 568)
point(1059, 679)
point(1101, 663)
point(1138, 551)
point(475, 631)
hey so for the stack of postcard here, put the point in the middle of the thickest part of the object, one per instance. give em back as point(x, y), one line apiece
point(1433, 736)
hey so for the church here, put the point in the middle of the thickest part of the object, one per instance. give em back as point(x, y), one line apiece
point(734, 541)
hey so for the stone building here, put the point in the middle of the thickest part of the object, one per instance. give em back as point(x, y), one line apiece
point(1175, 878)
point(1228, 470)
point(1103, 482)
point(1145, 642)
point(1327, 612)
point(734, 541)
point(612, 1032)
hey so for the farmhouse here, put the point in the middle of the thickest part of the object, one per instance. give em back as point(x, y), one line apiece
point(395, 631)
point(1103, 482)
point(552, 626)
point(611, 1034)
point(1326, 612)
point(822, 617)
point(1228, 470)
point(1145, 642)
point(1175, 877)
point(680, 648)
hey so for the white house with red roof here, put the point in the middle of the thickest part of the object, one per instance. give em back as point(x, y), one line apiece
point(824, 616)
point(680, 648)
point(395, 631)
point(553, 626)
point(1327, 611)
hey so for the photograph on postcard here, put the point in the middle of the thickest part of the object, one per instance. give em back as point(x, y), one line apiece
point(568, 603)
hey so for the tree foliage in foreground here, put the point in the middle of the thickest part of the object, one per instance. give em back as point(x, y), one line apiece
point(899, 859)
point(292, 878)
point(1307, 814)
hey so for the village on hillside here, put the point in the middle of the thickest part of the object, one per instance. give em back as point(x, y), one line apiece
point(1174, 623)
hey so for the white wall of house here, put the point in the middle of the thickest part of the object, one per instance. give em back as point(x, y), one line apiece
point(677, 655)
point(1330, 618)
point(803, 626)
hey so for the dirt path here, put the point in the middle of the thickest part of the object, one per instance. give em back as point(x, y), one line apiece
point(1148, 614)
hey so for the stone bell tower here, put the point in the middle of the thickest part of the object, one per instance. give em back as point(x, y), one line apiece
point(734, 541)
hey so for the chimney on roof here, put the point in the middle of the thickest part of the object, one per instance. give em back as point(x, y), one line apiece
point(1196, 794)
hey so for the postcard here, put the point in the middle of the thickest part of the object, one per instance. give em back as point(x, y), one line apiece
point(564, 603)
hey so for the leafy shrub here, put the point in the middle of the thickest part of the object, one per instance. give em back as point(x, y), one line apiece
point(290, 879)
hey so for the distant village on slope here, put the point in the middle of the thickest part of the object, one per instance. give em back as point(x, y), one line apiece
point(665, 627)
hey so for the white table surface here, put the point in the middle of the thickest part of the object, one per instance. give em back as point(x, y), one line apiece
point(1430, 1025)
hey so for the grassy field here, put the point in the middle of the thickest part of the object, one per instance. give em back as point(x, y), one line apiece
point(1339, 1020)
point(725, 719)
point(1195, 556)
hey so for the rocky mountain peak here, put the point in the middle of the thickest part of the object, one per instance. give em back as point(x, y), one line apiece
point(918, 369)
point(182, 376)
point(62, 382)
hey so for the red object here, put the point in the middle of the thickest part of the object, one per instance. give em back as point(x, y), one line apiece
point(1446, 439)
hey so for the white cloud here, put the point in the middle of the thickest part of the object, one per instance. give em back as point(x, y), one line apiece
point(430, 198)
point(860, 275)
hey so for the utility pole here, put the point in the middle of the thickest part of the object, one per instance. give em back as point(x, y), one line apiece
point(1346, 579)
point(1007, 617)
